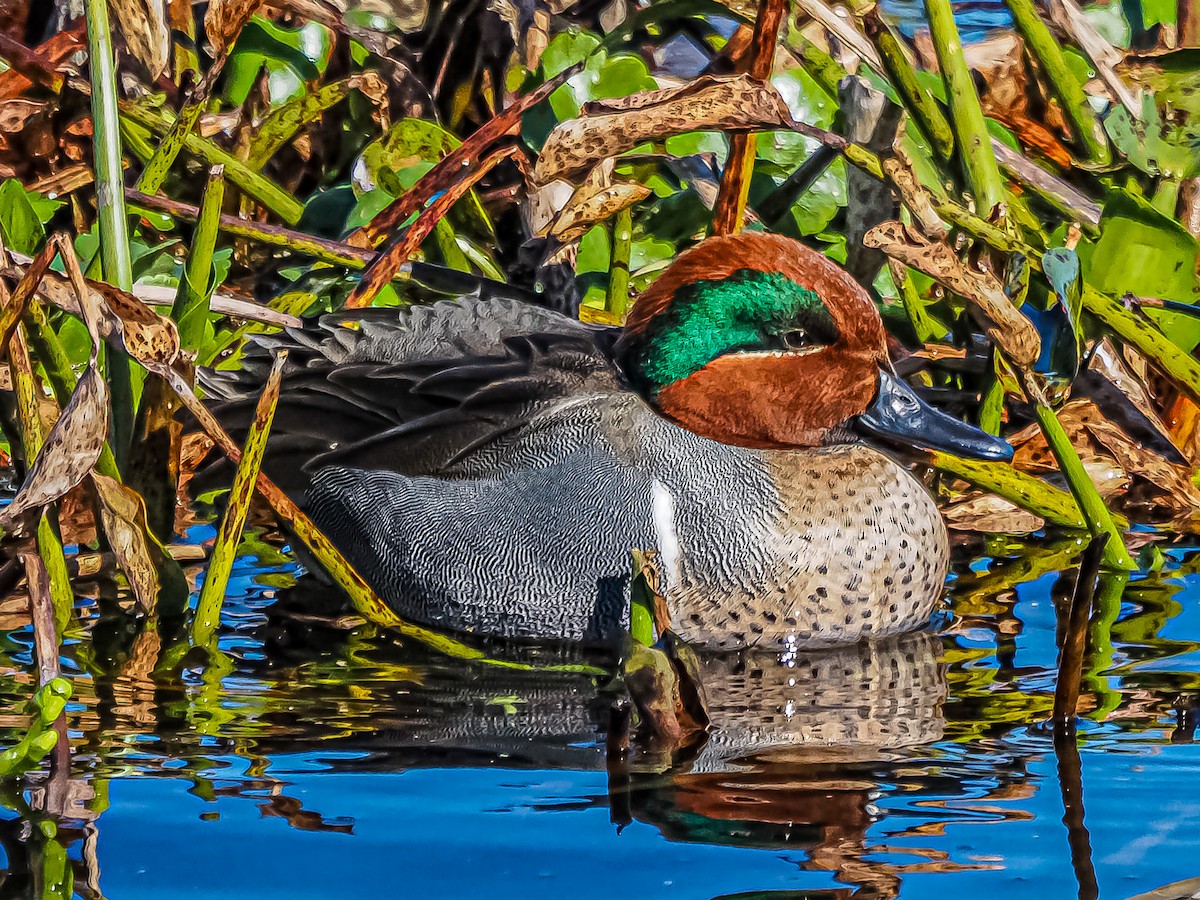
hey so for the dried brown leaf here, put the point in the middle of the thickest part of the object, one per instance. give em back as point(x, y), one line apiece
point(1012, 332)
point(1175, 479)
point(614, 126)
point(15, 113)
point(1033, 455)
point(124, 517)
point(591, 204)
point(144, 24)
point(122, 318)
point(71, 449)
point(224, 21)
point(989, 513)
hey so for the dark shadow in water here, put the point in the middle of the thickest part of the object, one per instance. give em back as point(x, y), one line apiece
point(1070, 780)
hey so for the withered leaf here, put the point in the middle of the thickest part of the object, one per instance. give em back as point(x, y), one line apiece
point(590, 205)
point(144, 24)
point(614, 126)
point(71, 449)
point(1012, 332)
point(124, 520)
point(120, 317)
point(224, 21)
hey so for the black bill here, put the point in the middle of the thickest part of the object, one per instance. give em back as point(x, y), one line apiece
point(899, 415)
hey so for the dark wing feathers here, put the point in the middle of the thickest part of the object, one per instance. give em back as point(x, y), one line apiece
point(412, 391)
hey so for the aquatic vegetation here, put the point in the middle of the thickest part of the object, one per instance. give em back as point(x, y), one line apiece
point(1024, 210)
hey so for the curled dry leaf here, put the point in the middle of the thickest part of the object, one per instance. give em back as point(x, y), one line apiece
point(144, 24)
point(124, 519)
point(989, 513)
point(224, 21)
point(1033, 455)
point(71, 449)
point(914, 196)
point(123, 318)
point(1175, 479)
point(591, 204)
point(1014, 334)
point(612, 127)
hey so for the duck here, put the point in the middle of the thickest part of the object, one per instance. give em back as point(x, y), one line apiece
point(487, 464)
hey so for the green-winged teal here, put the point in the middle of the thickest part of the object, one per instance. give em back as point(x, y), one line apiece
point(487, 464)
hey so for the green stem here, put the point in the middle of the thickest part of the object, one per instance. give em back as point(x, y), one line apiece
point(1106, 610)
point(155, 172)
point(992, 407)
point(1116, 555)
point(261, 188)
point(110, 201)
point(1057, 507)
point(921, 104)
point(820, 66)
point(618, 272)
point(1063, 84)
point(970, 129)
point(216, 580)
point(190, 311)
point(922, 323)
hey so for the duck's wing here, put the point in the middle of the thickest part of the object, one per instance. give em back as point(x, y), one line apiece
point(414, 391)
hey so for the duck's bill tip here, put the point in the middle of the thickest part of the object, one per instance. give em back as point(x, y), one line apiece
point(899, 415)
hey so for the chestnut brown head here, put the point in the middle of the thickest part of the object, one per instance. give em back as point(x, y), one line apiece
point(756, 340)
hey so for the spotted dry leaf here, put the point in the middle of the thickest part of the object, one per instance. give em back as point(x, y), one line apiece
point(989, 513)
point(590, 205)
point(611, 127)
point(1011, 331)
point(224, 21)
point(144, 24)
point(124, 518)
point(1033, 455)
point(70, 451)
point(120, 316)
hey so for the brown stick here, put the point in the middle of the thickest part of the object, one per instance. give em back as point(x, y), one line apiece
point(388, 263)
point(1070, 663)
point(1187, 18)
point(452, 166)
point(735, 183)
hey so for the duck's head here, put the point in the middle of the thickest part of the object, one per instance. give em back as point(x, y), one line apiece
point(758, 341)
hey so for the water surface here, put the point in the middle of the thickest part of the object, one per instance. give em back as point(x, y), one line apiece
point(320, 758)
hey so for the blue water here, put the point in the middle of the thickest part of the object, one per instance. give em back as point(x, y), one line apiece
point(323, 759)
point(975, 18)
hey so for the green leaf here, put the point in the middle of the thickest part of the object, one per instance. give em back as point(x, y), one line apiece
point(1062, 270)
point(1143, 252)
point(407, 144)
point(298, 54)
point(1152, 145)
point(23, 217)
point(406, 151)
point(567, 49)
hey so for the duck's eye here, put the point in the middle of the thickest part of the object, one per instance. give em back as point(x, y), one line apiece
point(796, 339)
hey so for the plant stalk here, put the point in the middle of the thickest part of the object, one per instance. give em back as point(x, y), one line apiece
point(110, 202)
point(970, 129)
point(1063, 84)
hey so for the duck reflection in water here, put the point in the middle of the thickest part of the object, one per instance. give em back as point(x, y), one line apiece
point(793, 757)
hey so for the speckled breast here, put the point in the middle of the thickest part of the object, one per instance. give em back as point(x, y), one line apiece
point(835, 545)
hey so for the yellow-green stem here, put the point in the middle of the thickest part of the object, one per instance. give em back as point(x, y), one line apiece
point(1085, 124)
point(1057, 507)
point(190, 311)
point(110, 205)
point(1099, 519)
point(618, 271)
point(216, 580)
point(966, 115)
